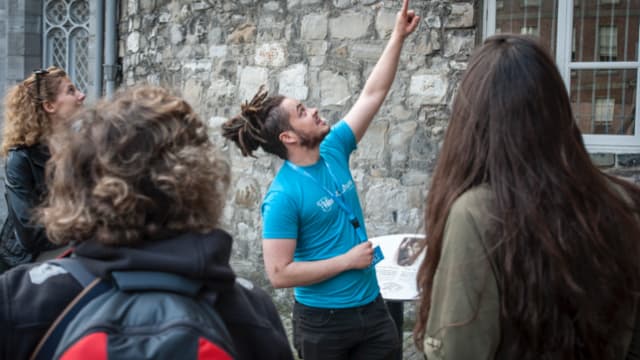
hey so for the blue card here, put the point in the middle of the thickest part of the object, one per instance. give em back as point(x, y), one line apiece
point(377, 255)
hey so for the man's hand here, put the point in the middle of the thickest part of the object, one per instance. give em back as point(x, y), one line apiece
point(406, 20)
point(360, 256)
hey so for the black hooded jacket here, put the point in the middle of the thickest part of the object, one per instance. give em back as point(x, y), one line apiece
point(32, 295)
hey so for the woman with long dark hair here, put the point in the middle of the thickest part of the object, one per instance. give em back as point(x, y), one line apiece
point(32, 108)
point(532, 251)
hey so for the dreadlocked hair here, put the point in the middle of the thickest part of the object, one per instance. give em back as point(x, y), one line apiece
point(259, 124)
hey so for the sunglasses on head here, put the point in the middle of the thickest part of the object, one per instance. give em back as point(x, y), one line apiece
point(39, 73)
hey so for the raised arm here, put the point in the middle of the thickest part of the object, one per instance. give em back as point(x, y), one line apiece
point(379, 82)
point(283, 272)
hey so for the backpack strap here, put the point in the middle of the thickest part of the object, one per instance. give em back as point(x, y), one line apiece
point(93, 287)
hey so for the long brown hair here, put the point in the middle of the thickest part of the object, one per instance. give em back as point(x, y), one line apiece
point(565, 241)
point(259, 124)
point(25, 121)
point(134, 169)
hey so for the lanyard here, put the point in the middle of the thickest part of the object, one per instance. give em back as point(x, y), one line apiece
point(337, 198)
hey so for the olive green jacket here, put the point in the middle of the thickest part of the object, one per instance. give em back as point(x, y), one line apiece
point(464, 315)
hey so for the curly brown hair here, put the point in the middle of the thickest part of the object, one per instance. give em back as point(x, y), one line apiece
point(25, 121)
point(134, 169)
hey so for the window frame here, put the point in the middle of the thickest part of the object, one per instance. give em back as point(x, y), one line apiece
point(595, 143)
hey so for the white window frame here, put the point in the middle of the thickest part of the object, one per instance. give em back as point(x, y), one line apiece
point(594, 142)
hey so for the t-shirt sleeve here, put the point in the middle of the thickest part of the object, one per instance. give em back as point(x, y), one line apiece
point(340, 142)
point(464, 316)
point(279, 215)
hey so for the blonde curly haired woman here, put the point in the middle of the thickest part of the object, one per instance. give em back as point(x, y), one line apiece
point(45, 98)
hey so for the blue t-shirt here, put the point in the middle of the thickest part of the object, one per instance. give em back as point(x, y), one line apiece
point(297, 207)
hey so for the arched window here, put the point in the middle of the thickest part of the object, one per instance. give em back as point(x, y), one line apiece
point(66, 38)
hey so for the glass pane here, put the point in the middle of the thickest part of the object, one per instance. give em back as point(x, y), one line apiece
point(533, 17)
point(79, 69)
point(605, 30)
point(56, 12)
point(604, 100)
point(57, 48)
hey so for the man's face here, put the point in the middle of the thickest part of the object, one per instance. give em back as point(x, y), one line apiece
point(308, 128)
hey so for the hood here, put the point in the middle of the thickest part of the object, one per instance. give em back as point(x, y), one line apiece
point(203, 257)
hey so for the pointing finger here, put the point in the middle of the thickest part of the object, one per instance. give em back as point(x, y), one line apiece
point(405, 7)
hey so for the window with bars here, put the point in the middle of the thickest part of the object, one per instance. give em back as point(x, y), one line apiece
point(595, 44)
point(608, 43)
point(66, 38)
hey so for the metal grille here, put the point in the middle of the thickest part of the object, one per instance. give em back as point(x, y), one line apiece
point(57, 48)
point(80, 47)
point(66, 38)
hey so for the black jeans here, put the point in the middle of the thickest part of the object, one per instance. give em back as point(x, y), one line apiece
point(364, 332)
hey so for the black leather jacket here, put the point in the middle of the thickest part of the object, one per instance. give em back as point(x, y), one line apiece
point(21, 239)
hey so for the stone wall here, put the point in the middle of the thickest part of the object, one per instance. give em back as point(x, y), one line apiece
point(217, 53)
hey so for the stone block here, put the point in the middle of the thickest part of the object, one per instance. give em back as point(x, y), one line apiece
point(176, 34)
point(351, 25)
point(192, 91)
point(270, 54)
point(461, 16)
point(132, 7)
point(343, 4)
point(314, 27)
point(292, 82)
point(628, 160)
point(364, 51)
point(200, 5)
point(316, 47)
point(433, 20)
point(218, 51)
point(164, 17)
point(133, 42)
point(385, 21)
point(373, 144)
point(245, 33)
point(334, 89)
point(301, 3)
point(430, 88)
point(251, 77)
point(401, 134)
point(197, 65)
point(603, 160)
point(271, 6)
point(458, 44)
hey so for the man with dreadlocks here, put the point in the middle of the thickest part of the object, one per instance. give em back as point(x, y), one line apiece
point(314, 235)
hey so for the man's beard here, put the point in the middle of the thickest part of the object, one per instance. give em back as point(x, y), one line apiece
point(311, 141)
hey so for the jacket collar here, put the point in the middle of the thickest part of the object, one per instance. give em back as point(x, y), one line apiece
point(203, 257)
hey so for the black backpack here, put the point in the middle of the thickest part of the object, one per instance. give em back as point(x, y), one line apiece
point(135, 315)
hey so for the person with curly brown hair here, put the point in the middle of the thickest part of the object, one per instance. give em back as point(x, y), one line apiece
point(137, 185)
point(32, 108)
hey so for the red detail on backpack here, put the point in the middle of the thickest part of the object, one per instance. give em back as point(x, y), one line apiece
point(93, 346)
point(210, 351)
